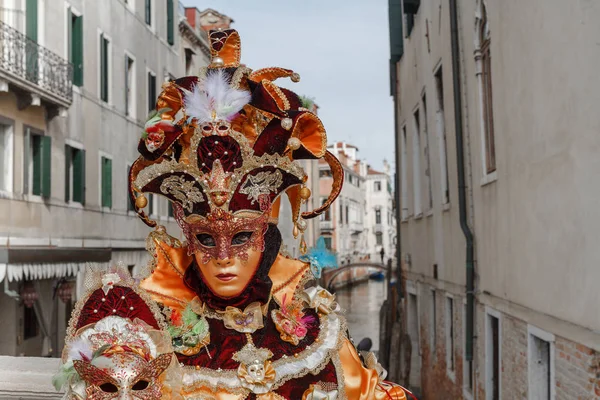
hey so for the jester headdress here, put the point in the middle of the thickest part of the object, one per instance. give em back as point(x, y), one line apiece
point(224, 142)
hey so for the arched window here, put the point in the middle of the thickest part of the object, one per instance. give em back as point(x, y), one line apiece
point(483, 62)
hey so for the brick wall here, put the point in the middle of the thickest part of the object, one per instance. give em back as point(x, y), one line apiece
point(576, 367)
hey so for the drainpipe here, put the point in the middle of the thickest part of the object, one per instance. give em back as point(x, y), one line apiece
point(462, 198)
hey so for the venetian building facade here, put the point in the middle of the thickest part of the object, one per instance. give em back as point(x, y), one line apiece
point(380, 221)
point(497, 139)
point(343, 225)
point(78, 78)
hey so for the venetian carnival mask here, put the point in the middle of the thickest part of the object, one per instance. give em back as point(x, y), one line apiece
point(122, 376)
point(114, 347)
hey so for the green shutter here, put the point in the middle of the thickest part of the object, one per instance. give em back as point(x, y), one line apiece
point(106, 182)
point(170, 209)
point(170, 33)
point(37, 165)
point(79, 176)
point(31, 48)
point(68, 162)
point(31, 19)
point(77, 49)
point(46, 150)
point(26, 146)
point(103, 68)
point(126, 85)
point(395, 24)
point(150, 204)
point(149, 12)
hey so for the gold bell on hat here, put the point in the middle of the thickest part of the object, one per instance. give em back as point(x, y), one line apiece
point(141, 201)
point(305, 193)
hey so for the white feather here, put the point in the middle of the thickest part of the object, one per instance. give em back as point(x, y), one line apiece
point(80, 348)
point(214, 97)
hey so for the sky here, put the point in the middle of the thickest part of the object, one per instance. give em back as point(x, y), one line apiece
point(341, 51)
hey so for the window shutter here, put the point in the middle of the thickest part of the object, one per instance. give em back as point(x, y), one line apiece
point(103, 68)
point(26, 154)
point(31, 23)
point(126, 85)
point(37, 165)
point(149, 12)
point(106, 182)
point(170, 33)
point(31, 29)
point(77, 50)
point(46, 150)
point(82, 175)
point(68, 162)
point(79, 176)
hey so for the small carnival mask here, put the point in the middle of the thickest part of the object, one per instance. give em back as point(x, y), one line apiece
point(123, 376)
point(154, 140)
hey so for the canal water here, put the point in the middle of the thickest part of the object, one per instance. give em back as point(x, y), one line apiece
point(361, 304)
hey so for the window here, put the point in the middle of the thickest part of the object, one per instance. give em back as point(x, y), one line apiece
point(323, 173)
point(75, 47)
point(492, 356)
point(484, 59)
point(378, 186)
point(170, 23)
point(467, 365)
point(341, 213)
point(75, 174)
point(426, 150)
point(441, 134)
point(149, 12)
point(104, 68)
point(106, 181)
point(189, 61)
point(37, 167)
point(6, 156)
point(541, 364)
point(379, 239)
point(416, 164)
point(404, 175)
point(413, 325)
point(327, 241)
point(30, 323)
point(433, 326)
point(129, 86)
point(130, 206)
point(347, 213)
point(326, 216)
point(170, 210)
point(151, 90)
point(378, 216)
point(450, 334)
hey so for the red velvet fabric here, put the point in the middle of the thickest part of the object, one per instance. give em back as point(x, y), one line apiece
point(113, 301)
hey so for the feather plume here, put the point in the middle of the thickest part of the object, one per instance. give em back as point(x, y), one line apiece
point(214, 99)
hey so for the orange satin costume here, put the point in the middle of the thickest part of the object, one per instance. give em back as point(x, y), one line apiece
point(166, 286)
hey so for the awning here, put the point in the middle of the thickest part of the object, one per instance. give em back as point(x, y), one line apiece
point(21, 272)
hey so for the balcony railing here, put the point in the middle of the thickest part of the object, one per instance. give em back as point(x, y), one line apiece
point(28, 63)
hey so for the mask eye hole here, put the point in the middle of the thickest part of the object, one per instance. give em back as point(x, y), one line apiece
point(206, 240)
point(109, 388)
point(207, 128)
point(140, 385)
point(241, 238)
point(223, 127)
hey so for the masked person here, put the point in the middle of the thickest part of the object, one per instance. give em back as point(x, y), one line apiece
point(245, 322)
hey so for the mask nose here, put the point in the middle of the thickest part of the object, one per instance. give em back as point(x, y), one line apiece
point(224, 262)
